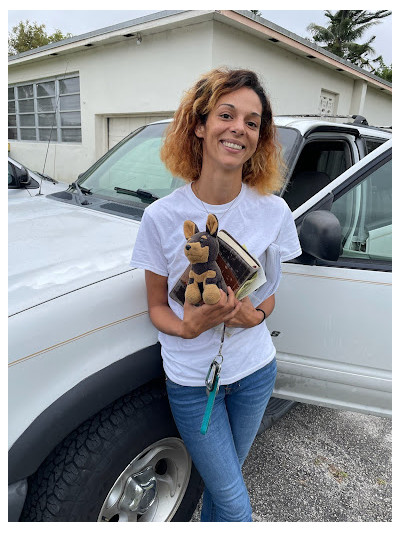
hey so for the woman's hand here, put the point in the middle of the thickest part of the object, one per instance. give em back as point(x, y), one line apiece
point(197, 319)
point(246, 317)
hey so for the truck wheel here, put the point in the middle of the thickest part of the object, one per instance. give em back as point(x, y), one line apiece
point(276, 409)
point(127, 463)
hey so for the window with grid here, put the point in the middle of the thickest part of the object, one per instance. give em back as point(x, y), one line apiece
point(45, 110)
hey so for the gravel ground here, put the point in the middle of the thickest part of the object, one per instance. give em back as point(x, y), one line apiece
point(321, 465)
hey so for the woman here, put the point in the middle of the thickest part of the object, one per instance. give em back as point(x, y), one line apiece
point(222, 141)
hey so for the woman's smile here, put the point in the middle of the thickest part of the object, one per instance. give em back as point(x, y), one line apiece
point(232, 145)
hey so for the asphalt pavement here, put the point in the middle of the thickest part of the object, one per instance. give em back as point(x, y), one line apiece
point(321, 465)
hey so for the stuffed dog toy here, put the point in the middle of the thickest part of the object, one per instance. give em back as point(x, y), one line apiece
point(201, 249)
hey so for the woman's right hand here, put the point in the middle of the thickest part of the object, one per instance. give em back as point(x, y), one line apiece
point(197, 319)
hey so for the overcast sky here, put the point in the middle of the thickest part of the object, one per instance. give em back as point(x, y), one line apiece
point(82, 21)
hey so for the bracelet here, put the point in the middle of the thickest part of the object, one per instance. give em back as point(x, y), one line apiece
point(263, 312)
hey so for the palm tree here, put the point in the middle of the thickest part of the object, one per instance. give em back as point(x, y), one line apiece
point(344, 28)
point(383, 71)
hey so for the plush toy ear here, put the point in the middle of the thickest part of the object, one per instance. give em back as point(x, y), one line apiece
point(189, 229)
point(212, 225)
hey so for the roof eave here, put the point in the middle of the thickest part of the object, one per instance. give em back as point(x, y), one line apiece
point(154, 22)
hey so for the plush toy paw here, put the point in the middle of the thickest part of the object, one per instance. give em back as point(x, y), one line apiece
point(193, 294)
point(211, 294)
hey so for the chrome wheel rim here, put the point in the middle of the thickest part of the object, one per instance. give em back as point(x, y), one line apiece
point(151, 487)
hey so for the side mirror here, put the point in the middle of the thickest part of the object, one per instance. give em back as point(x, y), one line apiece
point(321, 235)
point(23, 177)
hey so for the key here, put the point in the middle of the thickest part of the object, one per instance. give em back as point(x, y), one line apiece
point(212, 375)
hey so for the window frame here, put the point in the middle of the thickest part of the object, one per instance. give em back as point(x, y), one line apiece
point(57, 126)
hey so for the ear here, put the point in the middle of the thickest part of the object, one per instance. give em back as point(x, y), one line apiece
point(212, 225)
point(189, 229)
point(199, 130)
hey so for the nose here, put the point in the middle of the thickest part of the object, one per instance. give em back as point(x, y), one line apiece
point(237, 126)
point(187, 247)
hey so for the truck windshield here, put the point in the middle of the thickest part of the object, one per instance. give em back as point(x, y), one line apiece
point(134, 164)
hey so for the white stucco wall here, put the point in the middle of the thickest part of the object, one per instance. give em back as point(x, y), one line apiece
point(379, 107)
point(124, 79)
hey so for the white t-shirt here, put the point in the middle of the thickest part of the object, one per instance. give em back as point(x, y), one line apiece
point(261, 223)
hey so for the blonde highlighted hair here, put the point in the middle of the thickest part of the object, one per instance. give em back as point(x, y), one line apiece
point(182, 150)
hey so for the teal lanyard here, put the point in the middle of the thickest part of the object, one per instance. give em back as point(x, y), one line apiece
point(212, 385)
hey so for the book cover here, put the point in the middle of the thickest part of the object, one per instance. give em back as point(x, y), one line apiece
point(241, 271)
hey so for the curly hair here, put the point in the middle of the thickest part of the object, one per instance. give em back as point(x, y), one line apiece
point(182, 150)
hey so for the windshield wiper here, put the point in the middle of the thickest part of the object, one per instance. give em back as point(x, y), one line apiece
point(81, 191)
point(84, 189)
point(140, 193)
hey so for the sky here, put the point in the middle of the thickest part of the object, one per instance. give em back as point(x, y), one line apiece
point(78, 21)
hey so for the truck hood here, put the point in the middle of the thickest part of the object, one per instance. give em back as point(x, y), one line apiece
point(55, 248)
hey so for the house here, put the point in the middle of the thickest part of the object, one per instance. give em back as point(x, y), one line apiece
point(89, 91)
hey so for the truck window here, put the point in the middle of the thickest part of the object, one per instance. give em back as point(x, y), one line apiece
point(133, 164)
point(372, 143)
point(365, 215)
point(319, 163)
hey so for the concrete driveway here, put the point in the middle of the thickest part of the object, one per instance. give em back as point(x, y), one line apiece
point(321, 465)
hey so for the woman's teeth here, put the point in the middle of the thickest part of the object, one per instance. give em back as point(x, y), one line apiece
point(232, 145)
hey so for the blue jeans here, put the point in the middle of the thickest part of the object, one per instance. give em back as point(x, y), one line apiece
point(220, 453)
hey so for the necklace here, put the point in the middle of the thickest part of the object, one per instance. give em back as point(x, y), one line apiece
point(220, 216)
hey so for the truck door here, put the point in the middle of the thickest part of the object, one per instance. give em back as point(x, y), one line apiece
point(332, 320)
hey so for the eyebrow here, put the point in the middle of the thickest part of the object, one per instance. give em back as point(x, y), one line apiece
point(233, 107)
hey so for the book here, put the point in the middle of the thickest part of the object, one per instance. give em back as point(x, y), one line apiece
point(241, 271)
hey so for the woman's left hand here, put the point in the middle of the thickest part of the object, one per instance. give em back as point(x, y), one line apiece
point(246, 317)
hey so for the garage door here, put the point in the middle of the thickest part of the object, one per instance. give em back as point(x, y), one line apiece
point(119, 127)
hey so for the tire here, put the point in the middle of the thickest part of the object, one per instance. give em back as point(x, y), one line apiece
point(127, 463)
point(276, 409)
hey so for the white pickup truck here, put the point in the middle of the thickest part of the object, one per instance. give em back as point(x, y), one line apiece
point(91, 437)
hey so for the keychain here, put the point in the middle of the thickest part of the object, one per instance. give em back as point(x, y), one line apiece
point(212, 385)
